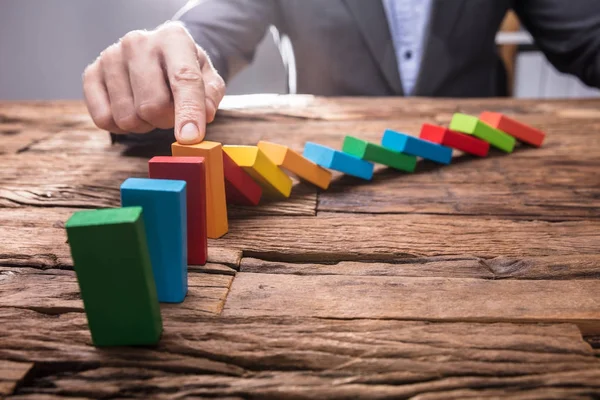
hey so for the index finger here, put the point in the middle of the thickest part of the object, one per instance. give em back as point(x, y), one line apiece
point(184, 75)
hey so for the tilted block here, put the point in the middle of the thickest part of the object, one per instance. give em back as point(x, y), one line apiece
point(274, 182)
point(455, 140)
point(164, 209)
point(417, 147)
point(240, 188)
point(113, 268)
point(192, 171)
point(286, 158)
point(216, 205)
point(516, 129)
point(339, 161)
point(379, 154)
point(473, 126)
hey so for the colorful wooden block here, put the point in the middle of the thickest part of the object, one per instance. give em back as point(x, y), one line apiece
point(274, 182)
point(516, 129)
point(291, 161)
point(192, 171)
point(339, 161)
point(472, 126)
point(113, 268)
point(216, 205)
point(164, 205)
point(404, 143)
point(456, 140)
point(240, 188)
point(379, 154)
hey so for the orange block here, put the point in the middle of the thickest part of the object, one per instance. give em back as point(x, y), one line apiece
point(284, 157)
point(516, 129)
point(216, 206)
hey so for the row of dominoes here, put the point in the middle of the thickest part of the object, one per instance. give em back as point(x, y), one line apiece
point(129, 259)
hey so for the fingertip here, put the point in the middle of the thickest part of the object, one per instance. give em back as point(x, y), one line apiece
point(189, 133)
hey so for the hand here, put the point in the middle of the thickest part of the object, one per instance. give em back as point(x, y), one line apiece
point(158, 79)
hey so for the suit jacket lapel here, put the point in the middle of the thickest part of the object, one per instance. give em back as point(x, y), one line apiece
point(443, 19)
point(371, 19)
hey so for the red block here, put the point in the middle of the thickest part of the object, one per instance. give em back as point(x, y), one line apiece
point(456, 140)
point(240, 188)
point(191, 170)
point(518, 130)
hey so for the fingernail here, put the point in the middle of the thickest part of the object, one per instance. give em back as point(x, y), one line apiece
point(189, 132)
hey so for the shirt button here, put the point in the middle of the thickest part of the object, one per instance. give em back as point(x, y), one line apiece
point(407, 55)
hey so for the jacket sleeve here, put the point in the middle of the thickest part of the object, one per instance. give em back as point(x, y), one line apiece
point(568, 32)
point(229, 30)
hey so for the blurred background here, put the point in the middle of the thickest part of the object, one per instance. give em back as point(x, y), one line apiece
point(46, 44)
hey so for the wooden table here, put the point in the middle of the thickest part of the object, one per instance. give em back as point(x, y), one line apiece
point(481, 278)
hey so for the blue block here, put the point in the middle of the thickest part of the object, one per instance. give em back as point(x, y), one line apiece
point(164, 211)
point(339, 161)
point(417, 147)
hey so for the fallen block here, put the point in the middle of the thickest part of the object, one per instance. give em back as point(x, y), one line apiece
point(113, 268)
point(192, 171)
point(516, 129)
point(455, 140)
point(164, 209)
point(274, 182)
point(216, 205)
point(472, 126)
point(379, 154)
point(240, 188)
point(404, 143)
point(334, 159)
point(291, 161)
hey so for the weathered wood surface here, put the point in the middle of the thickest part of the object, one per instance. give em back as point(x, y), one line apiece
point(452, 282)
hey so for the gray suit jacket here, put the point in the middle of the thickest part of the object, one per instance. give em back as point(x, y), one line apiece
point(343, 47)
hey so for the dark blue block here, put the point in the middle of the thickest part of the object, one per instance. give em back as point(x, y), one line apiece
point(165, 218)
point(339, 161)
point(417, 147)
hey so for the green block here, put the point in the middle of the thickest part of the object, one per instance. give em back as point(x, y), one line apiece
point(379, 154)
point(473, 126)
point(114, 272)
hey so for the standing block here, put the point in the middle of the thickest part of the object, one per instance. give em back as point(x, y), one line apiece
point(516, 129)
point(192, 171)
point(379, 154)
point(274, 182)
point(336, 160)
point(240, 188)
point(216, 206)
point(112, 264)
point(286, 158)
point(472, 126)
point(417, 147)
point(163, 202)
point(456, 140)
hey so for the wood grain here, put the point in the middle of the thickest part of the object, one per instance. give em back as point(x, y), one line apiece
point(382, 237)
point(291, 358)
point(430, 299)
point(548, 268)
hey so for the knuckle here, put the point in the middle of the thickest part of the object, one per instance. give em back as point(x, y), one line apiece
point(174, 28)
point(133, 40)
point(151, 110)
point(187, 75)
point(111, 54)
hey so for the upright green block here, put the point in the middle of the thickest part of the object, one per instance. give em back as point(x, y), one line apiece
point(473, 126)
point(114, 272)
point(379, 154)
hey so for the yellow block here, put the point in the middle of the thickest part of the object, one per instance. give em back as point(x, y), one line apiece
point(287, 158)
point(216, 207)
point(274, 182)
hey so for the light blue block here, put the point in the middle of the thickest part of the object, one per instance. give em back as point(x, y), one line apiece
point(333, 159)
point(417, 147)
point(164, 211)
